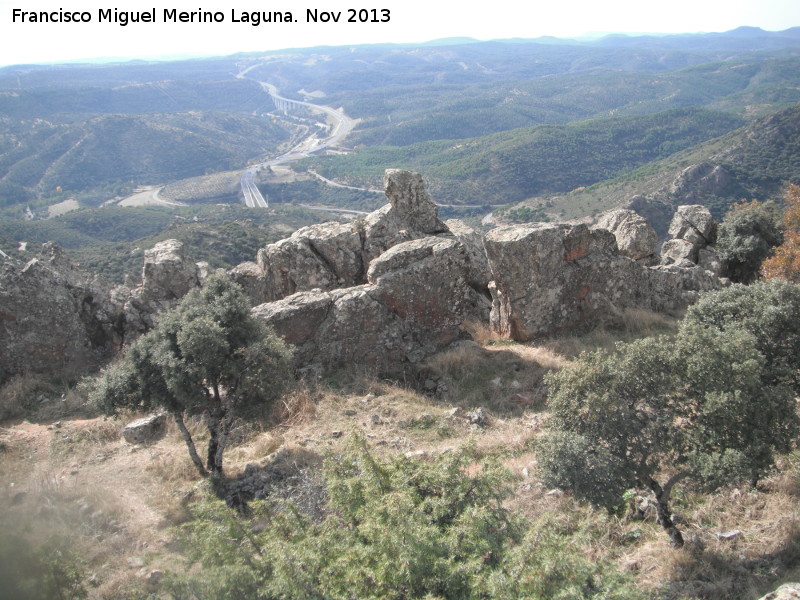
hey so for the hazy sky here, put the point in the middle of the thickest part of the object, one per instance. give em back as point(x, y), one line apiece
point(409, 21)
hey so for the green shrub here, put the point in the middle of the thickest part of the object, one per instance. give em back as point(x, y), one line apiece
point(398, 529)
point(46, 572)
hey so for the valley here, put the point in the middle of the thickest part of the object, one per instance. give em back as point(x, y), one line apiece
point(466, 319)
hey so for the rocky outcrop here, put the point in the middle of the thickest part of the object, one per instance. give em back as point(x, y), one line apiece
point(336, 255)
point(636, 239)
point(700, 180)
point(413, 304)
point(168, 274)
point(550, 279)
point(693, 231)
point(54, 318)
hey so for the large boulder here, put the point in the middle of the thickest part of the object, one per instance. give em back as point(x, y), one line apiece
point(413, 304)
point(550, 279)
point(336, 255)
point(325, 256)
point(692, 232)
point(694, 224)
point(54, 318)
point(635, 237)
point(168, 274)
point(145, 430)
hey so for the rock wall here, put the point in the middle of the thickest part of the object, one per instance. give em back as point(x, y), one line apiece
point(551, 279)
point(384, 292)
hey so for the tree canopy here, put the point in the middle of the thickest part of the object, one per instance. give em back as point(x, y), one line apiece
point(746, 237)
point(711, 405)
point(210, 356)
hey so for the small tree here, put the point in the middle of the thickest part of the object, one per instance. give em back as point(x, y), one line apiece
point(662, 410)
point(785, 263)
point(746, 237)
point(209, 355)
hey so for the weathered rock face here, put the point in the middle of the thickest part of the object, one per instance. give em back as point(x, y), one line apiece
point(168, 274)
point(700, 180)
point(693, 230)
point(335, 255)
point(54, 318)
point(635, 237)
point(695, 224)
point(413, 304)
point(549, 279)
point(324, 256)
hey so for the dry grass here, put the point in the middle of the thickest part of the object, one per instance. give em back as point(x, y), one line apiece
point(629, 325)
point(116, 502)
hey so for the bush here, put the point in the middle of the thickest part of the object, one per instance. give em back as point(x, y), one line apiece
point(398, 529)
point(46, 572)
point(746, 237)
point(712, 405)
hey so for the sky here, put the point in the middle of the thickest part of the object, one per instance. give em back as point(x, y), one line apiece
point(408, 21)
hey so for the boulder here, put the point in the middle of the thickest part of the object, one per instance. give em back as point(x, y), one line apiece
point(145, 430)
point(675, 251)
point(325, 256)
point(635, 237)
point(413, 305)
point(251, 277)
point(694, 224)
point(788, 591)
point(479, 272)
point(168, 274)
point(335, 255)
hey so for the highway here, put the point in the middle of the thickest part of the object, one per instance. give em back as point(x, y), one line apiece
point(342, 125)
point(252, 195)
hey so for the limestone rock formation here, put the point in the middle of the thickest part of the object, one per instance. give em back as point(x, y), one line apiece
point(168, 274)
point(549, 279)
point(54, 318)
point(413, 304)
point(695, 224)
point(325, 256)
point(693, 231)
point(635, 237)
point(700, 180)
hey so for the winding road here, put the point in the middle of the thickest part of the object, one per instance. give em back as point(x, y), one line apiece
point(342, 125)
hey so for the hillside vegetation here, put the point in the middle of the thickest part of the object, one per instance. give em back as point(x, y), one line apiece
point(523, 162)
point(41, 157)
point(759, 160)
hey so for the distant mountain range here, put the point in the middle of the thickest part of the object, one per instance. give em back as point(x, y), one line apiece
point(486, 122)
